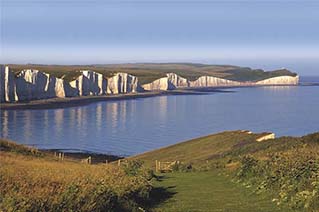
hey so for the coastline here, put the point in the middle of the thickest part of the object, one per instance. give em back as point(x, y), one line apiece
point(96, 158)
point(56, 103)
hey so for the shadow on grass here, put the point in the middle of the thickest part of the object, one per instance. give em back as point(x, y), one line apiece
point(160, 178)
point(159, 195)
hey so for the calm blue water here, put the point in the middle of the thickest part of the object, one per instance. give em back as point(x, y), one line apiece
point(133, 126)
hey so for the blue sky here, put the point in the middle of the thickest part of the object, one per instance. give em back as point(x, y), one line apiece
point(266, 34)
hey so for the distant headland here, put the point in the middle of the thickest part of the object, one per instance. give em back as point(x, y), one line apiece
point(24, 83)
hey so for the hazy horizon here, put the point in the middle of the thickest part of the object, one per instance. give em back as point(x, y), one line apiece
point(258, 34)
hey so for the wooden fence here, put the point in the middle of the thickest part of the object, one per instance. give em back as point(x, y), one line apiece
point(122, 162)
point(59, 155)
point(161, 166)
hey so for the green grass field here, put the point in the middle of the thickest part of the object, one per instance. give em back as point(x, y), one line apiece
point(209, 191)
point(286, 168)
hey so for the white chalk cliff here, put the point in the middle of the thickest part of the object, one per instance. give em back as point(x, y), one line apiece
point(7, 85)
point(89, 83)
point(282, 80)
point(173, 81)
point(170, 82)
point(209, 81)
point(33, 84)
point(122, 83)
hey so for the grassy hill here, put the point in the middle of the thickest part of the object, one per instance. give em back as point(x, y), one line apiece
point(199, 151)
point(228, 171)
point(285, 167)
point(148, 72)
point(31, 180)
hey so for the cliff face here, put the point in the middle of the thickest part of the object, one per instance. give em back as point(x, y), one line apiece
point(88, 83)
point(7, 85)
point(170, 82)
point(173, 81)
point(282, 80)
point(122, 83)
point(33, 84)
point(209, 81)
point(92, 83)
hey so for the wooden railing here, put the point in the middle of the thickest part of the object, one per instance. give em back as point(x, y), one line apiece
point(167, 166)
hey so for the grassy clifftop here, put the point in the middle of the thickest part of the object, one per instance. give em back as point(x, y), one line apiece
point(149, 72)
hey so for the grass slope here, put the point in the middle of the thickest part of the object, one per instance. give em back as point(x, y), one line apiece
point(149, 72)
point(230, 171)
point(286, 167)
point(199, 150)
point(210, 191)
point(34, 181)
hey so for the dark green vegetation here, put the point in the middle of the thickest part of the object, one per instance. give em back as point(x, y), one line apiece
point(149, 72)
point(286, 167)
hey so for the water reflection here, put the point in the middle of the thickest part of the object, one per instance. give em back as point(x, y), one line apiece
point(58, 119)
point(133, 126)
point(4, 124)
point(112, 112)
point(98, 117)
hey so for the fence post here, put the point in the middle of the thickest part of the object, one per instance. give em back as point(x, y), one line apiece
point(159, 165)
point(119, 162)
point(156, 168)
point(60, 155)
point(106, 162)
point(89, 160)
point(63, 156)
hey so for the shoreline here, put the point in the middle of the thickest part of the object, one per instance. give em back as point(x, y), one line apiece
point(96, 158)
point(57, 103)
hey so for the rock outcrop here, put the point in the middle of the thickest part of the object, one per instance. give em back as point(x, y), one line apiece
point(266, 136)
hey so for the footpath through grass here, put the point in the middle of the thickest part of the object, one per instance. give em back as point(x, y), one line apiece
point(208, 191)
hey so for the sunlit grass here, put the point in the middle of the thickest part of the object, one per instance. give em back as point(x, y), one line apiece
point(31, 183)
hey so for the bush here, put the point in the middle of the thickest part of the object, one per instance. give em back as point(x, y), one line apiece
point(294, 176)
